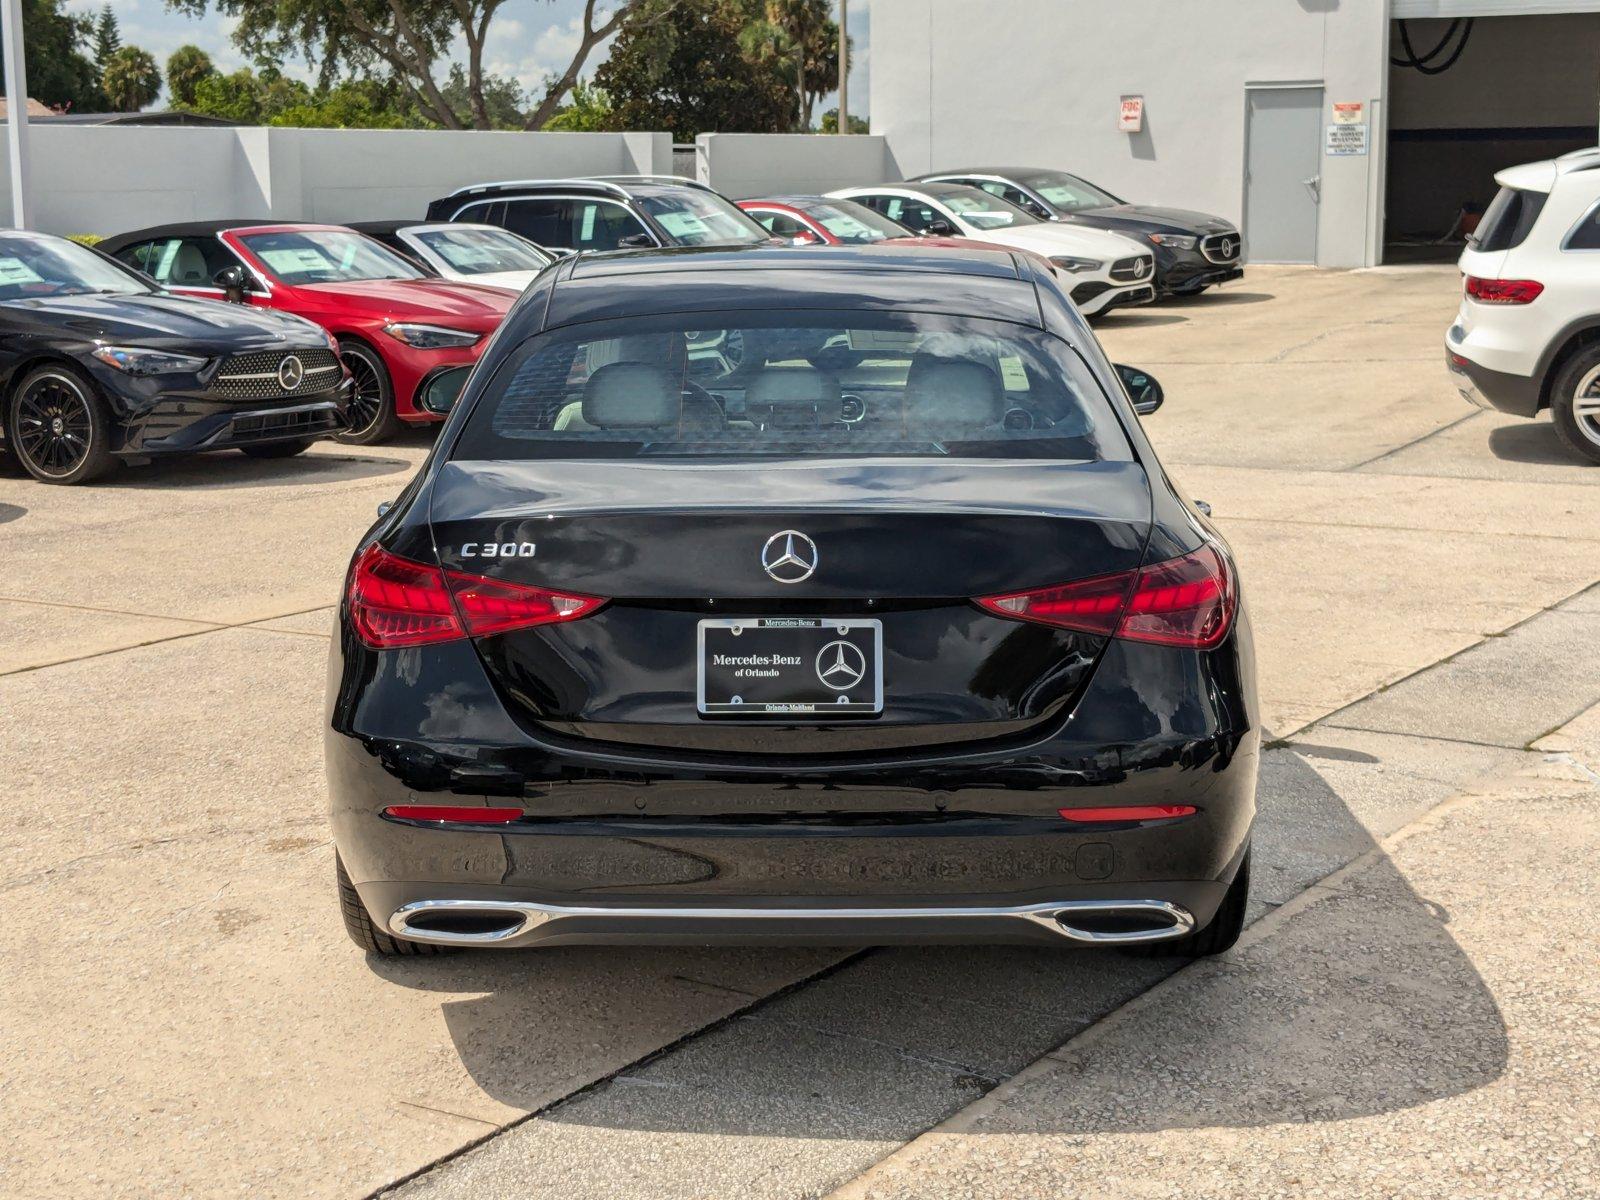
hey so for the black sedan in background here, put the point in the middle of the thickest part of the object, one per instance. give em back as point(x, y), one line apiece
point(99, 365)
point(926, 647)
point(1193, 250)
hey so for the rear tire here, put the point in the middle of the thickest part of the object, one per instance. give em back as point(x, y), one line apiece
point(275, 449)
point(58, 427)
point(372, 414)
point(1575, 403)
point(1217, 937)
point(364, 931)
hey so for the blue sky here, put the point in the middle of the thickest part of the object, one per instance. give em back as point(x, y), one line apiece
point(528, 39)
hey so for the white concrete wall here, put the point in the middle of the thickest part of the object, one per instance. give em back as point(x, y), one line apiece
point(741, 165)
point(108, 179)
point(1038, 83)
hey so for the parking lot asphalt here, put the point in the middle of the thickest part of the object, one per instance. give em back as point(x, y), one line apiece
point(184, 1015)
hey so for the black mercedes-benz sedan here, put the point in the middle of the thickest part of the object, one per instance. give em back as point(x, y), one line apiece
point(915, 643)
point(98, 366)
point(1193, 250)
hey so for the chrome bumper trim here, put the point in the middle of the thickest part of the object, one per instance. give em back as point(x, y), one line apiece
point(527, 922)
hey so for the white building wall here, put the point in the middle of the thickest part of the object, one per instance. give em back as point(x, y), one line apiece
point(107, 179)
point(742, 165)
point(1039, 83)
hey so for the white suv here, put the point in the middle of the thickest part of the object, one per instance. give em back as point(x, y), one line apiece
point(1528, 334)
point(1104, 270)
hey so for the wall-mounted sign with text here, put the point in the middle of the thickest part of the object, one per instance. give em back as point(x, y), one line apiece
point(1131, 119)
point(1345, 140)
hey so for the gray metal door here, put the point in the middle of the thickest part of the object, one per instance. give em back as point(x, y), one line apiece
point(1283, 173)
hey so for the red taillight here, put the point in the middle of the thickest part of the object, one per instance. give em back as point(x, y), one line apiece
point(1187, 601)
point(1127, 812)
point(458, 814)
point(395, 602)
point(489, 606)
point(1088, 606)
point(1503, 291)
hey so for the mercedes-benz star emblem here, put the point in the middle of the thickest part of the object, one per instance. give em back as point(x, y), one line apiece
point(291, 373)
point(789, 556)
point(841, 665)
point(1227, 247)
point(1139, 268)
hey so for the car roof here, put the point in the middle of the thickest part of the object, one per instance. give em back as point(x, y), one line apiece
point(1541, 176)
point(637, 283)
point(121, 241)
point(917, 187)
point(999, 172)
point(620, 186)
point(793, 200)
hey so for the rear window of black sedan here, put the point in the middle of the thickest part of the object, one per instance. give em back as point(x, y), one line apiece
point(793, 385)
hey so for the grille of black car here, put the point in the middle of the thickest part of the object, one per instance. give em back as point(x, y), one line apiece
point(256, 376)
point(1221, 247)
point(1131, 270)
point(271, 426)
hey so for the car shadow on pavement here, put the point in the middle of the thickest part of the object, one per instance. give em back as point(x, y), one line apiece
point(1135, 319)
point(1531, 442)
point(229, 469)
point(1377, 1009)
point(1212, 298)
point(10, 512)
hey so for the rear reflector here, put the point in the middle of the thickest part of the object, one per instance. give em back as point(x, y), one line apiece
point(459, 814)
point(1187, 601)
point(395, 602)
point(1133, 812)
point(1503, 291)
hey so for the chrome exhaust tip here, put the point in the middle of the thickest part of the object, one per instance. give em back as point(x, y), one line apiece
point(463, 922)
point(1123, 922)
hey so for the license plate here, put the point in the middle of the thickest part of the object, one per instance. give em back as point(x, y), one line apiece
point(777, 666)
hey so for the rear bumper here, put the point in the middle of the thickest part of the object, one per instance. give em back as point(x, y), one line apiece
point(1519, 395)
point(645, 844)
point(501, 923)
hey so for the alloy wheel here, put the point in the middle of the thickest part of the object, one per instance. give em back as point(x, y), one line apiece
point(55, 425)
point(1586, 405)
point(366, 404)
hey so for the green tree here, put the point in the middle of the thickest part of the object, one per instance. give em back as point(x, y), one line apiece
point(107, 37)
point(412, 41)
point(186, 67)
point(503, 99)
point(351, 104)
point(233, 97)
point(59, 73)
point(830, 123)
point(588, 112)
point(681, 67)
point(130, 79)
point(800, 41)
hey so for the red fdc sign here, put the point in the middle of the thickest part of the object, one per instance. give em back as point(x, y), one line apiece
point(1132, 118)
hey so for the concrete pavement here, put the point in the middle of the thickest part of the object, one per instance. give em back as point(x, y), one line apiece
point(184, 1015)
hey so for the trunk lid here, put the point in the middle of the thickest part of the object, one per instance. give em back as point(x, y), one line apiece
point(908, 543)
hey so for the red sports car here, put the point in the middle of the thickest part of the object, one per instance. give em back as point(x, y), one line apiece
point(398, 329)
